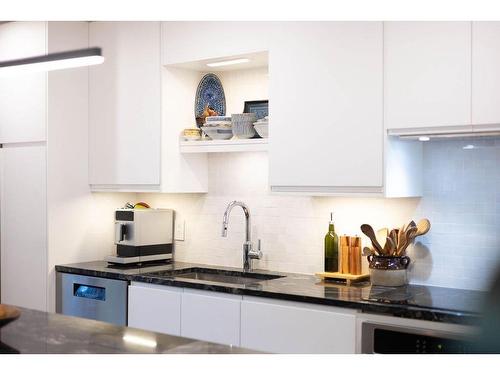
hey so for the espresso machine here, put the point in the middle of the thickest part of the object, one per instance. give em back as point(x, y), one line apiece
point(143, 236)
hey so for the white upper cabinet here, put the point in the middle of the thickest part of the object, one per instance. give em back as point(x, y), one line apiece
point(326, 130)
point(23, 97)
point(125, 105)
point(427, 74)
point(485, 73)
point(193, 41)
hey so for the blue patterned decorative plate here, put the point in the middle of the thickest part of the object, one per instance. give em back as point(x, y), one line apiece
point(210, 92)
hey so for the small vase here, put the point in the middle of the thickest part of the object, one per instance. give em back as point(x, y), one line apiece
point(388, 270)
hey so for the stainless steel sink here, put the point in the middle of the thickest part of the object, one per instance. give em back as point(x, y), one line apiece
point(216, 275)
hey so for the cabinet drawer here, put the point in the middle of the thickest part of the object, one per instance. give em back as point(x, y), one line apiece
point(155, 308)
point(284, 327)
point(211, 317)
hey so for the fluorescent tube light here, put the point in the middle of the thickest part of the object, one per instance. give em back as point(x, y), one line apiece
point(227, 62)
point(424, 139)
point(53, 61)
point(468, 147)
point(141, 341)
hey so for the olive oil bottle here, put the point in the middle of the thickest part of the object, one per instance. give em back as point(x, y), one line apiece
point(331, 248)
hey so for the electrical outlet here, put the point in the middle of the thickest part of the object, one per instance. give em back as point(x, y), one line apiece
point(180, 226)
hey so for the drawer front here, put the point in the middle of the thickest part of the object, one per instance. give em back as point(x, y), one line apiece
point(155, 308)
point(211, 317)
point(296, 328)
point(93, 298)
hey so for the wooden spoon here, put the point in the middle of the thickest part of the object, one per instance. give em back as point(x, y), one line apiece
point(401, 236)
point(390, 246)
point(368, 231)
point(423, 227)
point(409, 237)
point(394, 237)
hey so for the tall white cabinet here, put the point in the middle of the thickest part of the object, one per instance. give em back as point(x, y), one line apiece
point(326, 130)
point(23, 225)
point(23, 97)
point(41, 167)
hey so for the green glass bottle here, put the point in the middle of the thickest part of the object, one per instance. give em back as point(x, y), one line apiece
point(331, 248)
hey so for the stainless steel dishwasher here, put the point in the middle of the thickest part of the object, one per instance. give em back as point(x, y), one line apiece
point(92, 297)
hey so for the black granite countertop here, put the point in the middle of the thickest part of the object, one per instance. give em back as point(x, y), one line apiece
point(412, 301)
point(37, 332)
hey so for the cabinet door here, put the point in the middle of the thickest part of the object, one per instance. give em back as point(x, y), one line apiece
point(22, 96)
point(289, 327)
point(185, 41)
point(211, 316)
point(124, 104)
point(427, 73)
point(326, 131)
point(24, 226)
point(155, 308)
point(485, 72)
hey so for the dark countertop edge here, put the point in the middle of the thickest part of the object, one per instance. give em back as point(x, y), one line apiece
point(410, 312)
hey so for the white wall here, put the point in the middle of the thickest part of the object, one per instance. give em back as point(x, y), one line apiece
point(244, 85)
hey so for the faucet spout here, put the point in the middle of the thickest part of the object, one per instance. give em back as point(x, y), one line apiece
point(248, 254)
point(225, 221)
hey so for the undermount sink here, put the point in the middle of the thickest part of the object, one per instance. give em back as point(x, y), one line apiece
point(217, 275)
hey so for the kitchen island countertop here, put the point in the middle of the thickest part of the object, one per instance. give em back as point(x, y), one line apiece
point(37, 332)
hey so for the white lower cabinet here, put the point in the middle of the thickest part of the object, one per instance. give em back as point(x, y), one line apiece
point(291, 327)
point(211, 316)
point(155, 308)
point(261, 324)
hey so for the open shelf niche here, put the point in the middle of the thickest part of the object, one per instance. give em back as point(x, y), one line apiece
point(242, 82)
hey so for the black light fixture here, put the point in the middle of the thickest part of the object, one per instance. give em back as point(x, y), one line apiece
point(53, 61)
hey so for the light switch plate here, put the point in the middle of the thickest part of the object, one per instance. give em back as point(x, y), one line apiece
point(180, 230)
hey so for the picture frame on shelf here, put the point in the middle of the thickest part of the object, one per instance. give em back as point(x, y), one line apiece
point(259, 107)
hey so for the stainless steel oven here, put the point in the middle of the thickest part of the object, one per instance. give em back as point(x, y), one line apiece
point(393, 339)
point(92, 297)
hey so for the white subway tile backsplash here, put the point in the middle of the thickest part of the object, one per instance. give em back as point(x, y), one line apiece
point(461, 199)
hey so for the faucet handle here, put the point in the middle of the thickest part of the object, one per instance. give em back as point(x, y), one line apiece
point(255, 254)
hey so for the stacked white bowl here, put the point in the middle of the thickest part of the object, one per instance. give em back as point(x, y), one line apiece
point(218, 127)
point(262, 127)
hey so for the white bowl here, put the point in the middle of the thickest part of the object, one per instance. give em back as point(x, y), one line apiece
point(217, 133)
point(262, 129)
point(218, 118)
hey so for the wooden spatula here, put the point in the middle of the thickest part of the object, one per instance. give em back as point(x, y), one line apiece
point(369, 232)
point(423, 227)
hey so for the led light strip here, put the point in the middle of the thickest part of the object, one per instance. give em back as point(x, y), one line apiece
point(53, 61)
point(227, 62)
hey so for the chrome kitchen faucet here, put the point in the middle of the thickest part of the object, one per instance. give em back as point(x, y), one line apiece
point(248, 252)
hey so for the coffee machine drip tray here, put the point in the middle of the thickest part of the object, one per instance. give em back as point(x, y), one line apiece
point(114, 259)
